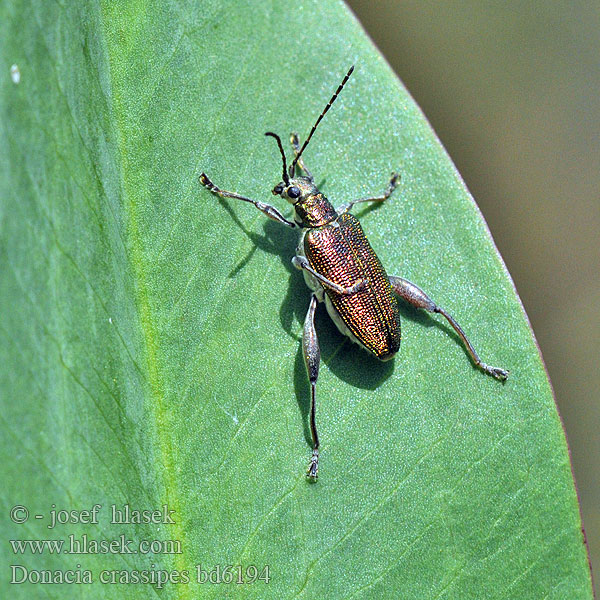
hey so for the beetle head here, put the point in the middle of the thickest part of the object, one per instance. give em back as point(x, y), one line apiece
point(295, 190)
point(311, 208)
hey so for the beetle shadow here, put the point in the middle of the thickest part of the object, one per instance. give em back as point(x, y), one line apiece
point(279, 241)
point(347, 361)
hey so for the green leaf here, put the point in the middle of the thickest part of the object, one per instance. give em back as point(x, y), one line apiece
point(150, 334)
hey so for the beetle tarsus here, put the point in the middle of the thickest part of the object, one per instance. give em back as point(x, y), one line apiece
point(361, 284)
point(313, 467)
point(393, 183)
point(206, 182)
point(497, 372)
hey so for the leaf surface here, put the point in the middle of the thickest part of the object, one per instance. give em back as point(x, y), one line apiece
point(150, 334)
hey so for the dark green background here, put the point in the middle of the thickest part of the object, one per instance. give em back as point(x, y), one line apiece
point(512, 89)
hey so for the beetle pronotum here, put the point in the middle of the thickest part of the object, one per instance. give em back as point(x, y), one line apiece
point(342, 270)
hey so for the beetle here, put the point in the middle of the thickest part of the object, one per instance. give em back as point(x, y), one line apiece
point(342, 270)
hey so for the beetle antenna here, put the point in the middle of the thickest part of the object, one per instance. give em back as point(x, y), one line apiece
point(286, 178)
point(335, 95)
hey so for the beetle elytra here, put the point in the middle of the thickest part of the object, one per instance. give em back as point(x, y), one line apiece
point(343, 271)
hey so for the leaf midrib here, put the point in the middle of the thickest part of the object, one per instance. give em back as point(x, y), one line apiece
point(146, 317)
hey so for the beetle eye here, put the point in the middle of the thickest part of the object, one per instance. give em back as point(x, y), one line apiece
point(294, 192)
point(277, 190)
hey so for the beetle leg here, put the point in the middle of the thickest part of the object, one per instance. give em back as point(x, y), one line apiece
point(296, 145)
point(300, 262)
point(267, 209)
point(388, 192)
point(312, 358)
point(417, 297)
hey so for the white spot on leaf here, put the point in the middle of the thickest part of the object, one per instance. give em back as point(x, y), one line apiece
point(15, 74)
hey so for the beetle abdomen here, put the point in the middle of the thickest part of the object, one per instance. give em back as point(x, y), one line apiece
point(341, 252)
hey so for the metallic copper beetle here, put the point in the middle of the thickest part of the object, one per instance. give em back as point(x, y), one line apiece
point(342, 270)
